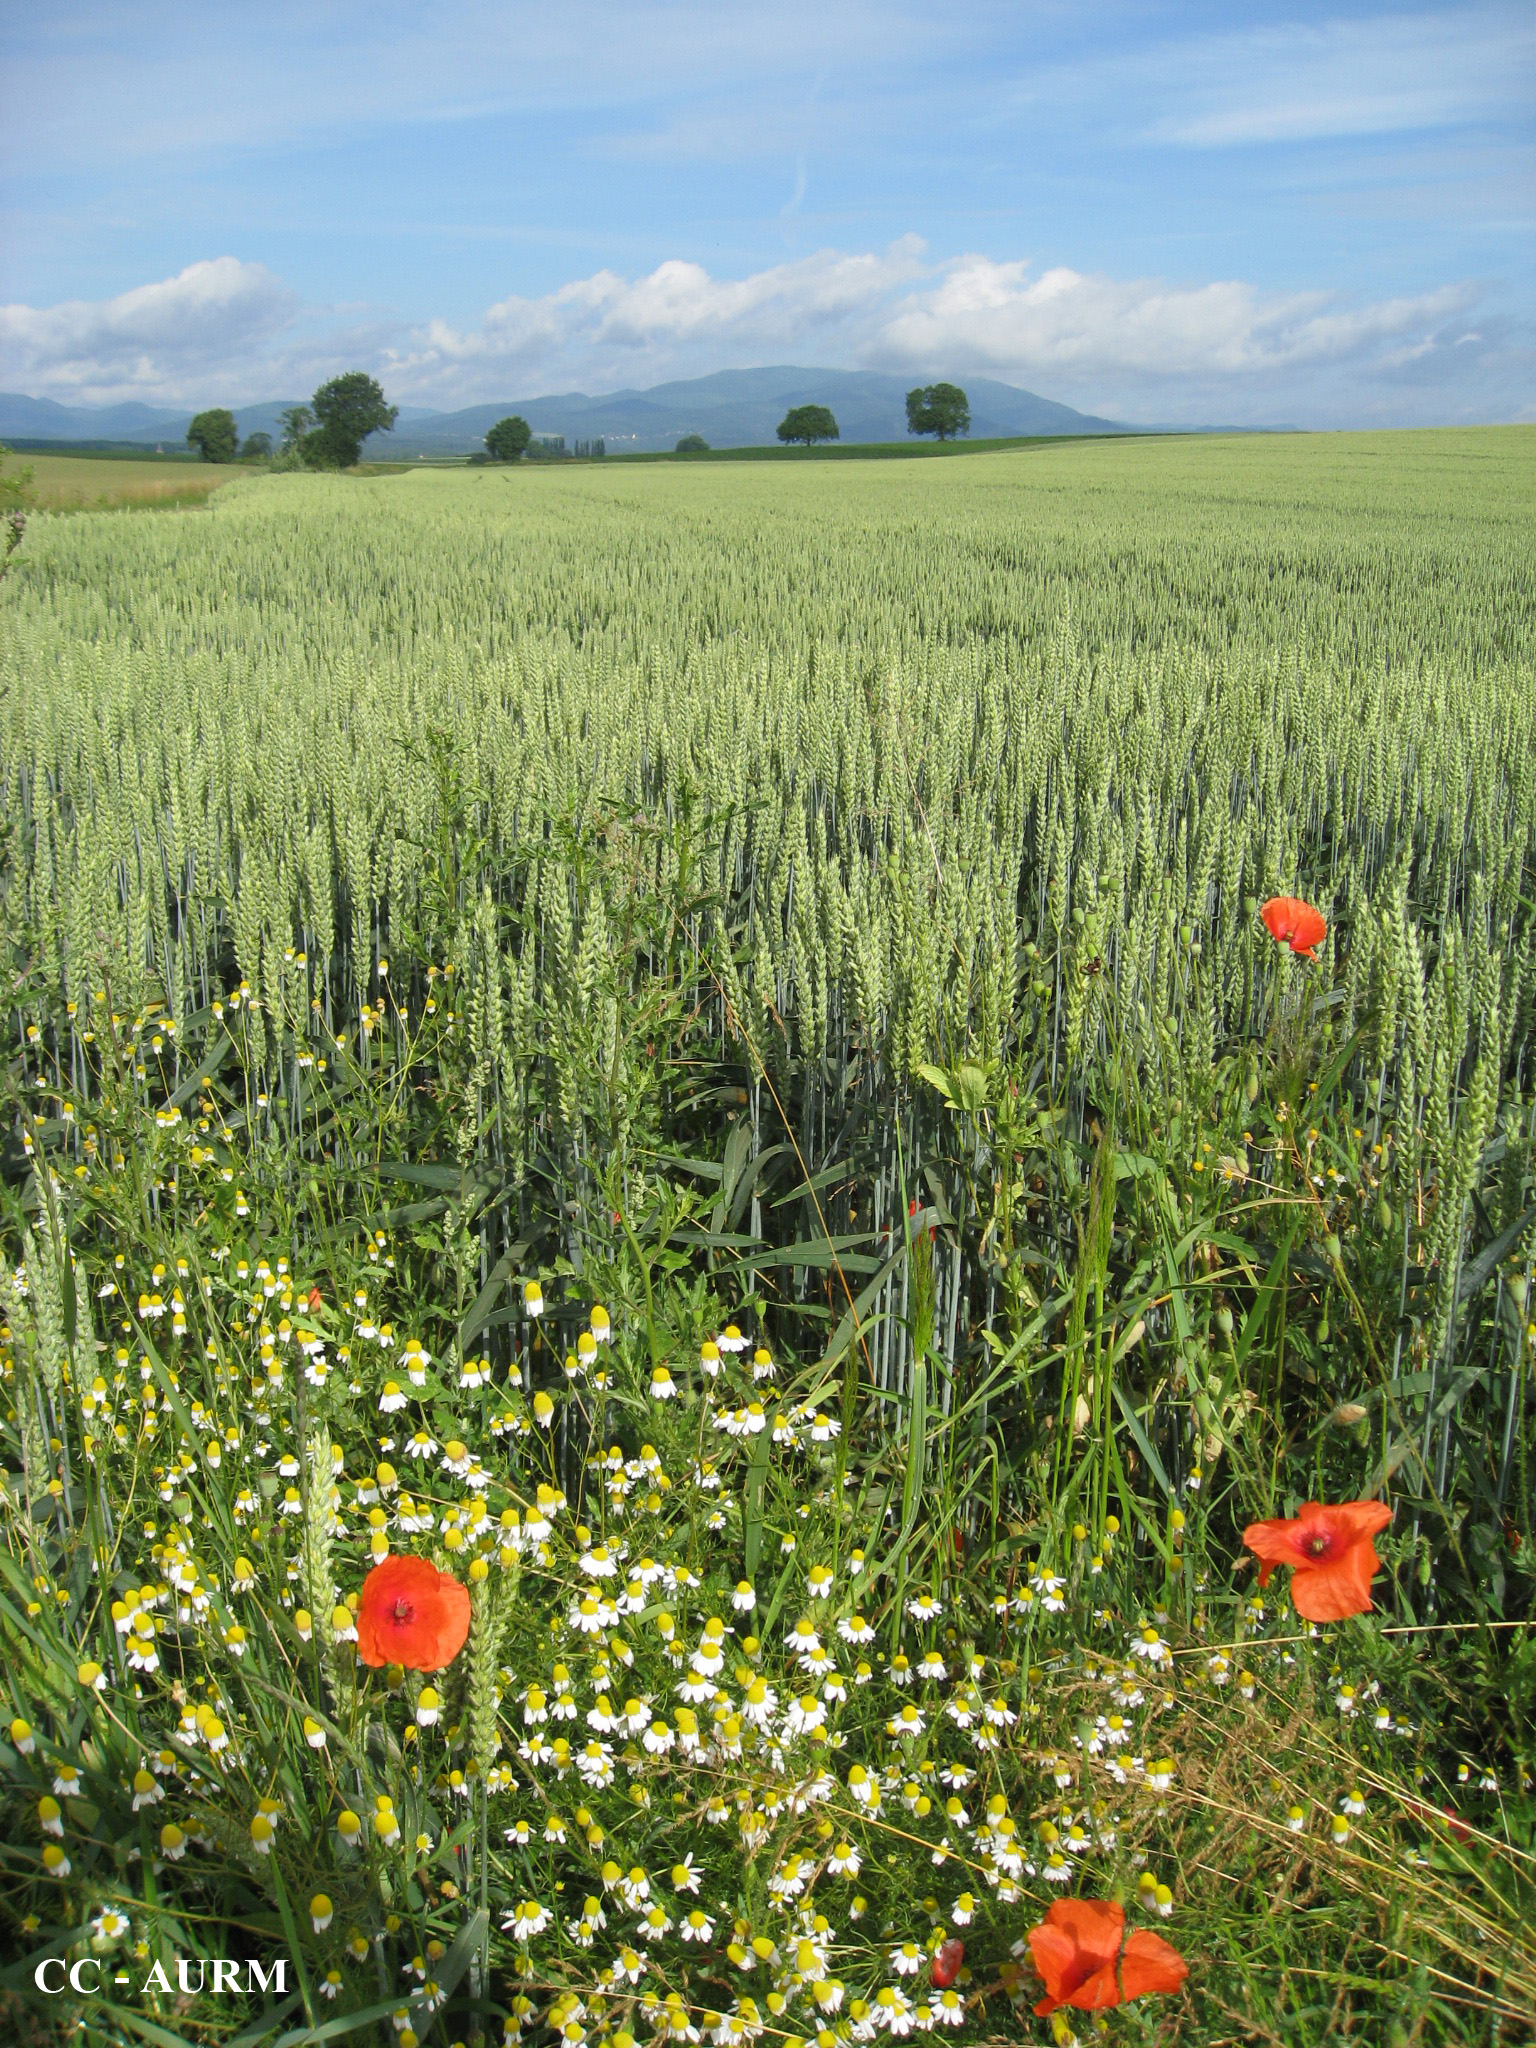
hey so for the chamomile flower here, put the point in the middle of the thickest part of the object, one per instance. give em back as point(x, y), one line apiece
point(1148, 1644)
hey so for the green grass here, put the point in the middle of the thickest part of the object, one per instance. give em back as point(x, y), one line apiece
point(115, 451)
point(857, 451)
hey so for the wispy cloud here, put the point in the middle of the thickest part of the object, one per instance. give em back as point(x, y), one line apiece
point(1382, 74)
point(102, 82)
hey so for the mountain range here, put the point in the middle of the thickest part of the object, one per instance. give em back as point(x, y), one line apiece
point(731, 409)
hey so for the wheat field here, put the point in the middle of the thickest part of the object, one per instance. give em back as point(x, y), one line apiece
point(570, 917)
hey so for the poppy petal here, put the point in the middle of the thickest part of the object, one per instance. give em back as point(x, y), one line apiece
point(1098, 1992)
point(1150, 1964)
point(1274, 1542)
point(1093, 1926)
point(453, 1624)
point(1052, 1953)
point(1361, 1517)
point(1333, 1591)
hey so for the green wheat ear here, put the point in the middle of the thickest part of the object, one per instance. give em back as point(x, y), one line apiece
point(317, 1567)
point(490, 1599)
point(37, 1462)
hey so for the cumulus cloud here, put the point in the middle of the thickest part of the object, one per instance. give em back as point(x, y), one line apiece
point(609, 325)
point(148, 341)
point(1132, 348)
point(1104, 342)
point(998, 316)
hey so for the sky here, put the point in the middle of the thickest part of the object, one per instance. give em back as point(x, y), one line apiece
point(1191, 213)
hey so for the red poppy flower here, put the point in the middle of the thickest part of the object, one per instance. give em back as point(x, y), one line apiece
point(946, 1964)
point(1330, 1552)
point(316, 1299)
point(1447, 1814)
point(411, 1614)
point(1079, 1954)
point(1295, 924)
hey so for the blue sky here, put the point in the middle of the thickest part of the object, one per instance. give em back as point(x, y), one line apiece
point(1278, 213)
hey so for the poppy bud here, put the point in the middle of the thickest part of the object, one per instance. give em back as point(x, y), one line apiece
point(946, 1964)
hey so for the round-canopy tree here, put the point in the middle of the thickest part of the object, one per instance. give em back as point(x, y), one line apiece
point(508, 439)
point(347, 410)
point(941, 409)
point(214, 435)
point(808, 423)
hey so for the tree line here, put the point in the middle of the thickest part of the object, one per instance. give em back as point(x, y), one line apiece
point(328, 433)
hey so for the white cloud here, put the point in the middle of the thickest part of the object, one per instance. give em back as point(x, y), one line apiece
point(607, 326)
point(996, 316)
point(145, 342)
point(1130, 348)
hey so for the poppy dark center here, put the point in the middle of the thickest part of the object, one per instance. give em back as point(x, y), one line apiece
point(1319, 1545)
point(404, 1611)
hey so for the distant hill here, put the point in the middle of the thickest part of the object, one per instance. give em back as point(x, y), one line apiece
point(40, 419)
point(741, 409)
point(731, 409)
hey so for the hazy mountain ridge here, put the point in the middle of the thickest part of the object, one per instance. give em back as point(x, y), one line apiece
point(730, 408)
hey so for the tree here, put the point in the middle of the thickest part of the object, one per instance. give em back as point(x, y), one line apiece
point(257, 448)
point(808, 423)
point(214, 435)
point(347, 410)
point(297, 421)
point(508, 438)
point(693, 444)
point(941, 409)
